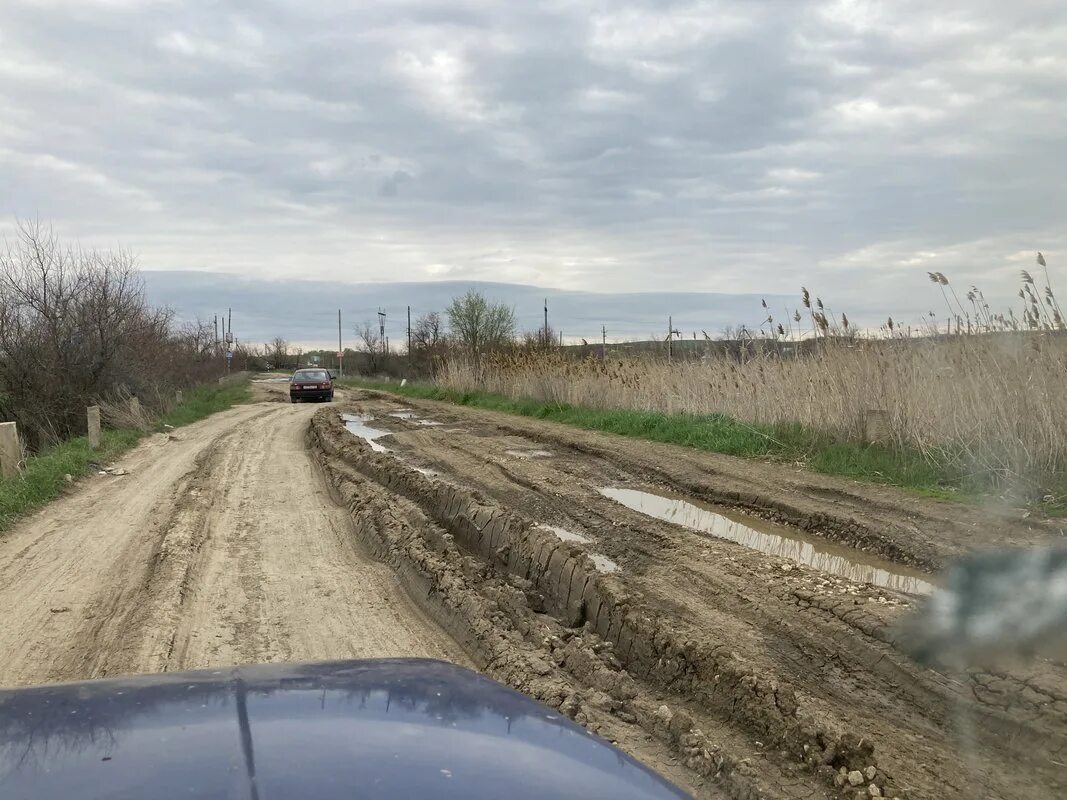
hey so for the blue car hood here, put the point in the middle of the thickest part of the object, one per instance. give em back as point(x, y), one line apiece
point(381, 728)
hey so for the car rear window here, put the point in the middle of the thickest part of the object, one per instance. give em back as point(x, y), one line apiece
point(311, 375)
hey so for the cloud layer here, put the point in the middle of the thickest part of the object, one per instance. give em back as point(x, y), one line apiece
point(729, 146)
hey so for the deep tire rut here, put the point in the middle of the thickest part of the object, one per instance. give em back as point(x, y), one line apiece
point(761, 678)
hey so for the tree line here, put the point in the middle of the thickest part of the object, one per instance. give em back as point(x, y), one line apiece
point(76, 330)
point(471, 325)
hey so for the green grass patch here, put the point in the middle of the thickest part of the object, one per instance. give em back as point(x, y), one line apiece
point(204, 400)
point(721, 434)
point(43, 477)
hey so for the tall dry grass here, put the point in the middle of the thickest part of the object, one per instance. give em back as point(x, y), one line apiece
point(991, 405)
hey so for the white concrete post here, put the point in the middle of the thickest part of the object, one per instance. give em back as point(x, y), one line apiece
point(92, 416)
point(9, 449)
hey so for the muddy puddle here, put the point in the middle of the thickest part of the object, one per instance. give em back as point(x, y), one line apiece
point(566, 535)
point(601, 562)
point(776, 540)
point(357, 425)
point(528, 453)
point(408, 415)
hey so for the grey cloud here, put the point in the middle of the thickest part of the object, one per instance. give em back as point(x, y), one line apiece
point(390, 187)
point(717, 146)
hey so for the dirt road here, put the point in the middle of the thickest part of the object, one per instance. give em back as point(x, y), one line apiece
point(221, 546)
point(742, 614)
point(733, 624)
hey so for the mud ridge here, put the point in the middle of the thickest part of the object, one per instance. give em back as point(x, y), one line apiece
point(609, 641)
point(886, 539)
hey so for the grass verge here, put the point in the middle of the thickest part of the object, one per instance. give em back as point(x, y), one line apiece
point(43, 477)
point(721, 434)
point(204, 400)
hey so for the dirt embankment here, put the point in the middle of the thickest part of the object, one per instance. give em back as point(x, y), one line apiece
point(734, 672)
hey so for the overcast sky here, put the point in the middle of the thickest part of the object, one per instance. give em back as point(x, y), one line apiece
point(734, 146)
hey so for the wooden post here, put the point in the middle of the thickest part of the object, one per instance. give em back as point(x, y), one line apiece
point(92, 415)
point(9, 449)
point(876, 426)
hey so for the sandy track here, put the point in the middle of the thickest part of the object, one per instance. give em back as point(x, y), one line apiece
point(220, 547)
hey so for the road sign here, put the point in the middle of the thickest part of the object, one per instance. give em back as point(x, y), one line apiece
point(229, 355)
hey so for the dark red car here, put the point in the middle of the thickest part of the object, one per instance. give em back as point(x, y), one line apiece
point(310, 384)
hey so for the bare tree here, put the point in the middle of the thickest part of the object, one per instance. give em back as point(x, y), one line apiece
point(370, 345)
point(429, 344)
point(540, 339)
point(479, 325)
point(277, 352)
point(75, 327)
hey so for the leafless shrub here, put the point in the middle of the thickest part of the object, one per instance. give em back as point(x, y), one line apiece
point(76, 329)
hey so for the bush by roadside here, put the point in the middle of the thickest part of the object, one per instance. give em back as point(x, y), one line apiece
point(77, 330)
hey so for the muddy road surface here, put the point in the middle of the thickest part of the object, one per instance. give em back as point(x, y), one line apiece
point(740, 616)
point(221, 546)
point(733, 624)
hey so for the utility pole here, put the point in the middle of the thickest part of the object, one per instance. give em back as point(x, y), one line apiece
point(561, 338)
point(671, 332)
point(340, 349)
point(228, 337)
point(381, 330)
point(603, 342)
point(216, 336)
point(546, 323)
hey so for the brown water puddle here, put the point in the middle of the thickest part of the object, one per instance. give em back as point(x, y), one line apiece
point(776, 540)
point(357, 426)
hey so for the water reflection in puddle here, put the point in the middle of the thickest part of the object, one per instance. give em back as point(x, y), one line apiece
point(429, 473)
point(409, 415)
point(357, 425)
point(565, 535)
point(529, 453)
point(603, 563)
point(774, 540)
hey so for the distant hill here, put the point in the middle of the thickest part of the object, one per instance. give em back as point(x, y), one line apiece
point(305, 312)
